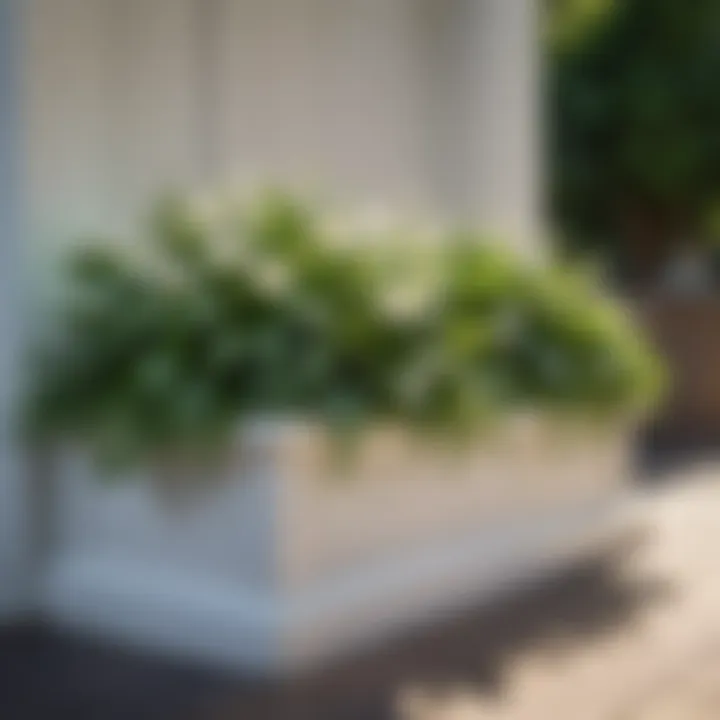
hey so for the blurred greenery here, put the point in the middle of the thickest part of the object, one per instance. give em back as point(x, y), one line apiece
point(636, 111)
point(232, 309)
point(568, 22)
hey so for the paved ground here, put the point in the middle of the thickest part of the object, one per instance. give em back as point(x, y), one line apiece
point(660, 657)
point(632, 634)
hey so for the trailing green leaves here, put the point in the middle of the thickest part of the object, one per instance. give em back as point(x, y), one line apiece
point(233, 310)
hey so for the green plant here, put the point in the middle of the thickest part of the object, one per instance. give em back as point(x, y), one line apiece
point(635, 115)
point(272, 307)
point(568, 23)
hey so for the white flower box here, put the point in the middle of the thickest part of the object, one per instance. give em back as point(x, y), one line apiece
point(284, 564)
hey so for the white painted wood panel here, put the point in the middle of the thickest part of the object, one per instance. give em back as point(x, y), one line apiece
point(376, 113)
point(499, 125)
point(154, 120)
point(407, 102)
point(268, 110)
point(112, 112)
point(323, 93)
point(286, 564)
point(67, 103)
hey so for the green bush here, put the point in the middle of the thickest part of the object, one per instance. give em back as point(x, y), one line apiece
point(272, 307)
point(635, 111)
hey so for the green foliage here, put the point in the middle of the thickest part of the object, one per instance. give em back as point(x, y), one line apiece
point(637, 152)
point(569, 22)
point(234, 310)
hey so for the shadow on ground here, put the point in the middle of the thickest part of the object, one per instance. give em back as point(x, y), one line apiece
point(45, 676)
point(590, 600)
point(669, 456)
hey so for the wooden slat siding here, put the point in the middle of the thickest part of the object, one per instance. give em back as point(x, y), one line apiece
point(110, 111)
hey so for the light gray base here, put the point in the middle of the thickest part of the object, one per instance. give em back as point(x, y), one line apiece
point(278, 633)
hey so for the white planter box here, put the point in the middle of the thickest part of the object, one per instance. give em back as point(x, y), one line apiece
point(286, 564)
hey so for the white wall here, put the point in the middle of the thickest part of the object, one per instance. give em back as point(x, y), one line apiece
point(417, 103)
point(498, 123)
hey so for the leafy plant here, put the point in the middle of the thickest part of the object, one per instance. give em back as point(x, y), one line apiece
point(242, 309)
point(636, 112)
point(568, 23)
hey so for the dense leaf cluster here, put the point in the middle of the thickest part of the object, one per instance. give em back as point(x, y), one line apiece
point(240, 309)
